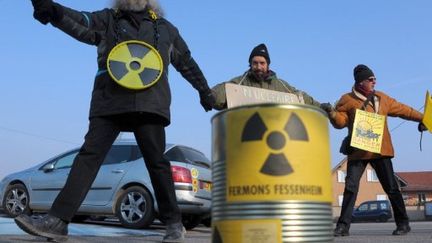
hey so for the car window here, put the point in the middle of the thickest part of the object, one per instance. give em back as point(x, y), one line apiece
point(175, 154)
point(180, 154)
point(65, 161)
point(118, 154)
point(383, 206)
point(373, 206)
point(194, 155)
point(136, 154)
point(363, 207)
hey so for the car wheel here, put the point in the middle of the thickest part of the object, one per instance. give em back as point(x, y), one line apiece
point(383, 218)
point(206, 222)
point(134, 208)
point(191, 221)
point(16, 200)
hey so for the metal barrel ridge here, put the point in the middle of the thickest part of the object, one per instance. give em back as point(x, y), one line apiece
point(271, 175)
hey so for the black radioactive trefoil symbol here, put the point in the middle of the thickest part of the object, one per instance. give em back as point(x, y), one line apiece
point(276, 164)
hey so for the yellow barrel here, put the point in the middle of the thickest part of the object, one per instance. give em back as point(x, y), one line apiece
point(271, 175)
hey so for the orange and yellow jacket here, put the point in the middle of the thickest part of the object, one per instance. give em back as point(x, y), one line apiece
point(345, 111)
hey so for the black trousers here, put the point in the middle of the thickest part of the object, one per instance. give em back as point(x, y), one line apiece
point(384, 170)
point(149, 131)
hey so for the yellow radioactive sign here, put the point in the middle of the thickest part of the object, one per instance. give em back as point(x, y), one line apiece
point(135, 64)
point(251, 230)
point(277, 154)
point(194, 173)
point(368, 129)
point(427, 116)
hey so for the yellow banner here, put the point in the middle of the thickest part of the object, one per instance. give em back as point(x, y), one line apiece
point(427, 117)
point(248, 231)
point(278, 153)
point(368, 129)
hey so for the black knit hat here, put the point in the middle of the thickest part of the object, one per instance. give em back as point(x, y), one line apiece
point(260, 50)
point(362, 72)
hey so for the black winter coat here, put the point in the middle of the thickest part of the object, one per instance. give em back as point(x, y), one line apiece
point(105, 29)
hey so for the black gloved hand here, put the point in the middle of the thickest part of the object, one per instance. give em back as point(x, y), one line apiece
point(42, 5)
point(42, 17)
point(42, 10)
point(421, 127)
point(327, 107)
point(207, 99)
point(46, 11)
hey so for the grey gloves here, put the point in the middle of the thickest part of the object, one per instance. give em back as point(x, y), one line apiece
point(327, 107)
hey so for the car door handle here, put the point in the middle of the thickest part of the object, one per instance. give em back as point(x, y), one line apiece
point(117, 171)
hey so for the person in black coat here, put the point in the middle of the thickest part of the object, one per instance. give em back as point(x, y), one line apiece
point(115, 108)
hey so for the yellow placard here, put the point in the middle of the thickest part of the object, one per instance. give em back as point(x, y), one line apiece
point(427, 117)
point(368, 129)
point(277, 154)
point(247, 231)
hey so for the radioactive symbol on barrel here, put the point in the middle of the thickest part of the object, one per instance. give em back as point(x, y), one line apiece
point(134, 64)
point(276, 164)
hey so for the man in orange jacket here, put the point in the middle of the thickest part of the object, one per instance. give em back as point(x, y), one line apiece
point(364, 96)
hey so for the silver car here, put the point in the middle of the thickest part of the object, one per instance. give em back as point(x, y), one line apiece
point(122, 187)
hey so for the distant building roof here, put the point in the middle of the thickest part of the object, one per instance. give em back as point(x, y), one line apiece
point(344, 160)
point(416, 181)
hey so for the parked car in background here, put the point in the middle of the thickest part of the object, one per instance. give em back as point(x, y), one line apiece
point(376, 211)
point(122, 187)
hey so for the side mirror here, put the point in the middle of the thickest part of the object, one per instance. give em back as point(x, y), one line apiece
point(48, 167)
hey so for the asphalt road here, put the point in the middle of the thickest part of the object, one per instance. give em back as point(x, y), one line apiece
point(111, 232)
point(382, 232)
point(97, 231)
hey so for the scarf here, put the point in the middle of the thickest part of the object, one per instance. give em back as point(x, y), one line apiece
point(362, 90)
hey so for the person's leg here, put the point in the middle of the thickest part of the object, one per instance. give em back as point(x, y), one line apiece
point(385, 174)
point(355, 170)
point(98, 141)
point(101, 134)
point(151, 140)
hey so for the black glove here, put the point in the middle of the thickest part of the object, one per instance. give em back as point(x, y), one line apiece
point(207, 99)
point(327, 107)
point(421, 127)
point(42, 10)
point(46, 11)
point(42, 17)
point(42, 5)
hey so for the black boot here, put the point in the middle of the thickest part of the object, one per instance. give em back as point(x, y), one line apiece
point(174, 233)
point(52, 228)
point(340, 231)
point(402, 230)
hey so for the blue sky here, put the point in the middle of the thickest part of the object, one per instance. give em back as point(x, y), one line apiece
point(47, 77)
